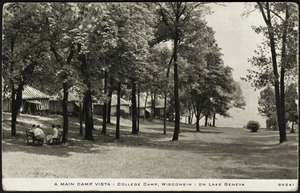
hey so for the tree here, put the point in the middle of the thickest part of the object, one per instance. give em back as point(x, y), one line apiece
point(290, 101)
point(70, 27)
point(104, 105)
point(177, 18)
point(94, 66)
point(267, 105)
point(234, 100)
point(281, 19)
point(62, 48)
point(125, 33)
point(158, 74)
point(24, 48)
point(139, 34)
point(209, 85)
point(266, 102)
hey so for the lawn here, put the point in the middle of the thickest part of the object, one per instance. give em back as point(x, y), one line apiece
point(213, 153)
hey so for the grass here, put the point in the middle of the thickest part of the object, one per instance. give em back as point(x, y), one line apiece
point(218, 153)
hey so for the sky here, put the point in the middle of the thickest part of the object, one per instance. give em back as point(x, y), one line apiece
point(238, 41)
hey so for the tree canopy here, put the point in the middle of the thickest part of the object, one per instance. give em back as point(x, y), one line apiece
point(100, 48)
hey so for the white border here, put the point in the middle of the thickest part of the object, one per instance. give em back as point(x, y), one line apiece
point(77, 184)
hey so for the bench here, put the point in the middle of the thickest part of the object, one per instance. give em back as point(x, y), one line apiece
point(57, 140)
point(31, 139)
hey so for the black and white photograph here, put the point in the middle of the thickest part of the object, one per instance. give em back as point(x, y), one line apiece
point(150, 96)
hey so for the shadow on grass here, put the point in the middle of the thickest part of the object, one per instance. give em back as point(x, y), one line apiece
point(18, 144)
point(150, 136)
point(214, 132)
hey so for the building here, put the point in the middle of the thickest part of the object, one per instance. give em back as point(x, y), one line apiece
point(33, 101)
point(124, 106)
point(74, 100)
point(145, 107)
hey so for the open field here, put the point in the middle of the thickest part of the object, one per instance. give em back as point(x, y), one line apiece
point(219, 153)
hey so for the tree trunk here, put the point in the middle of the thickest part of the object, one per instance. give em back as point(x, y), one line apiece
point(177, 107)
point(104, 106)
point(214, 119)
point(153, 96)
point(16, 104)
point(189, 117)
point(138, 111)
point(152, 109)
point(198, 122)
point(92, 114)
point(282, 126)
point(65, 113)
point(293, 131)
point(111, 82)
point(13, 113)
point(118, 111)
point(276, 82)
point(88, 114)
point(165, 114)
point(206, 120)
point(282, 131)
point(133, 99)
point(65, 100)
point(145, 104)
point(198, 114)
point(165, 103)
point(80, 119)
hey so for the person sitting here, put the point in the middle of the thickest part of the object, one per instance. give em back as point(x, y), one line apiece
point(58, 127)
point(33, 126)
point(38, 133)
point(54, 135)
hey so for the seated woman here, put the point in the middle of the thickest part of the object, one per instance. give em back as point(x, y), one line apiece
point(54, 135)
point(38, 133)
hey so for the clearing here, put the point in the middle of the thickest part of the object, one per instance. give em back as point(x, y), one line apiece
point(213, 153)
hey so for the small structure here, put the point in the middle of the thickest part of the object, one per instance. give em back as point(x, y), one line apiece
point(124, 106)
point(159, 108)
point(145, 107)
point(98, 108)
point(33, 101)
point(55, 104)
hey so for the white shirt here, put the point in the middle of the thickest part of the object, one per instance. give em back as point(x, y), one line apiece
point(37, 132)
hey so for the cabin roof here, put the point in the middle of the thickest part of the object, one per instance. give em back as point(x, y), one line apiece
point(32, 93)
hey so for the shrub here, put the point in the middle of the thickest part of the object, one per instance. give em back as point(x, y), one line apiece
point(253, 126)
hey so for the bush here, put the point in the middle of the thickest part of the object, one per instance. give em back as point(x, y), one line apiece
point(253, 126)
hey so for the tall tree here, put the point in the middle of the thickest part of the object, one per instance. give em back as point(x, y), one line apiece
point(104, 105)
point(280, 18)
point(128, 33)
point(24, 48)
point(158, 71)
point(62, 19)
point(178, 18)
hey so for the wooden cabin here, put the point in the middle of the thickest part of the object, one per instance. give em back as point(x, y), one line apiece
point(33, 101)
point(124, 105)
point(145, 107)
point(55, 103)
